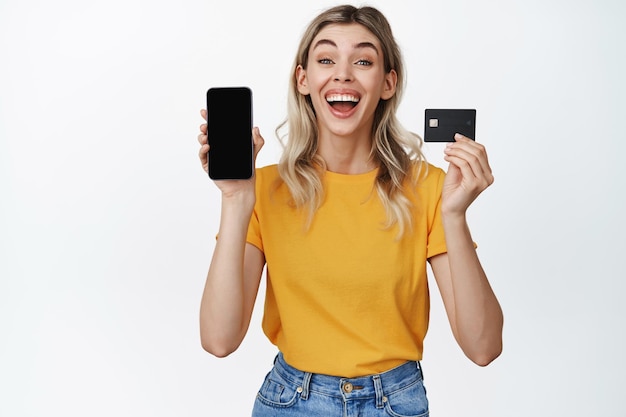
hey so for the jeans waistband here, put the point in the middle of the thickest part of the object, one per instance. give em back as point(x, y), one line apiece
point(370, 386)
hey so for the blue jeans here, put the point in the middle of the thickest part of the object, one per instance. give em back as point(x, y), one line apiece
point(287, 391)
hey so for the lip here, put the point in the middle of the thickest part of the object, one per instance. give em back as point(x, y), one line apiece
point(342, 92)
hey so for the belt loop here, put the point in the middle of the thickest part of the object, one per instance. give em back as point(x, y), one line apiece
point(306, 382)
point(378, 387)
point(419, 367)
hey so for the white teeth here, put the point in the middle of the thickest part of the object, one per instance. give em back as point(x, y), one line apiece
point(341, 97)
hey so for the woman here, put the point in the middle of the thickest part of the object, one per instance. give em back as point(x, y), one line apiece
point(345, 224)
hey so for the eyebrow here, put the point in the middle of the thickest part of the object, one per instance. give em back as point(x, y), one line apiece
point(359, 45)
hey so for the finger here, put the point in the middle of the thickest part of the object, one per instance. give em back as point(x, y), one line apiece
point(468, 159)
point(471, 144)
point(472, 155)
point(203, 113)
point(203, 139)
point(473, 151)
point(203, 128)
point(204, 157)
point(476, 169)
point(473, 177)
point(467, 173)
point(203, 152)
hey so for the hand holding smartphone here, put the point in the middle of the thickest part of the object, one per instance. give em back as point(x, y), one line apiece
point(229, 132)
point(440, 125)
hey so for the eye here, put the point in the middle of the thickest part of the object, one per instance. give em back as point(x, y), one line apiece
point(364, 62)
point(325, 61)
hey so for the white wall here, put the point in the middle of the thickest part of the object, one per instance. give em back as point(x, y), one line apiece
point(107, 221)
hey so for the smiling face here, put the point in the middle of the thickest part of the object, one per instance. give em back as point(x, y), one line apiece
point(345, 78)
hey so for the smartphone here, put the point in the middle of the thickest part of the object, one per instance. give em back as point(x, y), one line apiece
point(229, 131)
point(440, 125)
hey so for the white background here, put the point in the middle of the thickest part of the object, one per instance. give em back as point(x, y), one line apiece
point(107, 221)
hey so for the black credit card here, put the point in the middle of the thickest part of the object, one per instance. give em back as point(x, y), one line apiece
point(440, 125)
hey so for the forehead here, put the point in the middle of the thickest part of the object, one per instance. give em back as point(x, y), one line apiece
point(346, 33)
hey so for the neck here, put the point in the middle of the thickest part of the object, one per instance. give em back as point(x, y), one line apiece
point(346, 154)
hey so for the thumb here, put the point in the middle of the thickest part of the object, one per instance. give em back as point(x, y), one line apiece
point(257, 140)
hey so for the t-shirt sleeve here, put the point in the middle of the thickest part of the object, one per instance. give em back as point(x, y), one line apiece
point(436, 238)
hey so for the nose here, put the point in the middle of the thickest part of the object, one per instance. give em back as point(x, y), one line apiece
point(343, 72)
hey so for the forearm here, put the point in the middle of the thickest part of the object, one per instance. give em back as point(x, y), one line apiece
point(477, 317)
point(223, 320)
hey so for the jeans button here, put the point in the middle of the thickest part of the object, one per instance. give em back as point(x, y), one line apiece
point(347, 388)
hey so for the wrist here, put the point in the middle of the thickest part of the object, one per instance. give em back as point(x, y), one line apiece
point(235, 216)
point(454, 221)
point(452, 215)
point(238, 202)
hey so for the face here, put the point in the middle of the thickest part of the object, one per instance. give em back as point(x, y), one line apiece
point(345, 77)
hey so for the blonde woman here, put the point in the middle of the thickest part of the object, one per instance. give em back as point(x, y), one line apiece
point(345, 224)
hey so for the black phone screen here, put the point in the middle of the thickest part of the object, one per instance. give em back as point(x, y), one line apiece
point(229, 131)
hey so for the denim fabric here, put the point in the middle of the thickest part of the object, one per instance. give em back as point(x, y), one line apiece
point(288, 392)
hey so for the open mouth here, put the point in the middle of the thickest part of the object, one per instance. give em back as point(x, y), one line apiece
point(342, 102)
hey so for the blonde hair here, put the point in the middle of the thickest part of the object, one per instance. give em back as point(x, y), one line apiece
point(394, 149)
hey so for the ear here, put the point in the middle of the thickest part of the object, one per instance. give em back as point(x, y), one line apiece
point(301, 81)
point(391, 81)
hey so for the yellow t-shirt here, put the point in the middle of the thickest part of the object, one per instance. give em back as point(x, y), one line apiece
point(345, 297)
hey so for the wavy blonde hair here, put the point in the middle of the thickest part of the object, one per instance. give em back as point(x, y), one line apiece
point(394, 149)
